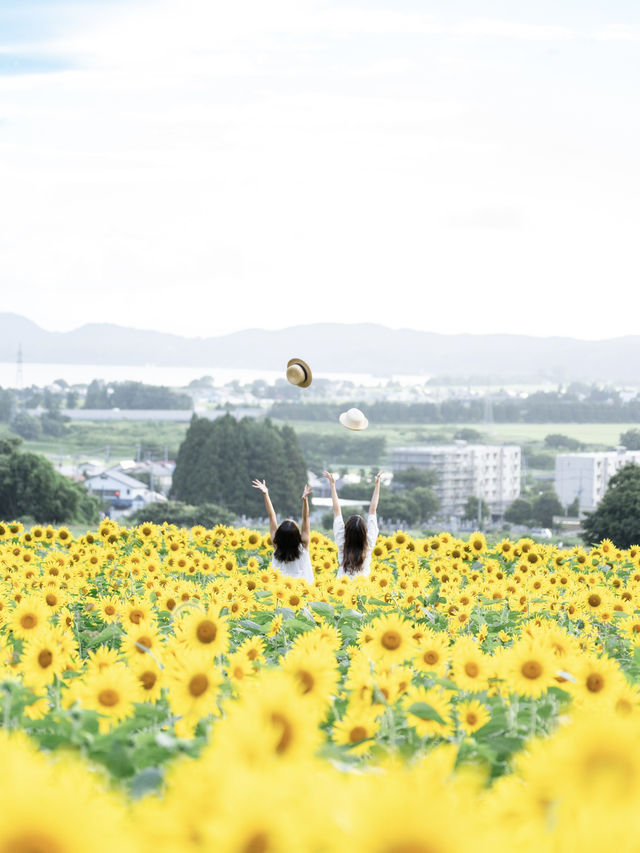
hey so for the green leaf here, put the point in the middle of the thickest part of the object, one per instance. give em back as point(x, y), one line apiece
point(322, 607)
point(251, 625)
point(145, 781)
point(425, 712)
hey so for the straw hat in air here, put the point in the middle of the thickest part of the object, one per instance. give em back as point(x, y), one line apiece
point(299, 373)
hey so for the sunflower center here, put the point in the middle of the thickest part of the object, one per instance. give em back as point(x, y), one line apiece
point(472, 669)
point(409, 847)
point(109, 610)
point(148, 679)
point(28, 621)
point(286, 734)
point(252, 654)
point(471, 718)
point(391, 640)
point(307, 681)
point(258, 843)
point(198, 684)
point(51, 599)
point(143, 641)
point(108, 697)
point(531, 669)
point(431, 657)
point(31, 842)
point(357, 733)
point(595, 682)
point(45, 658)
point(594, 600)
point(136, 616)
point(206, 631)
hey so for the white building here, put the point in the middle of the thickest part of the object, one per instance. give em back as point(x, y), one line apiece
point(490, 472)
point(123, 493)
point(586, 475)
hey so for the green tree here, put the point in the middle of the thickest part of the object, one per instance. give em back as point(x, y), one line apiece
point(544, 508)
point(562, 442)
point(519, 512)
point(573, 510)
point(398, 508)
point(26, 426)
point(617, 516)
point(412, 478)
point(469, 434)
point(425, 500)
point(476, 509)
point(30, 486)
point(97, 396)
point(7, 403)
point(218, 460)
point(631, 439)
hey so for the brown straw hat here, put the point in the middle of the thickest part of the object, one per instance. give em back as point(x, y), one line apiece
point(299, 373)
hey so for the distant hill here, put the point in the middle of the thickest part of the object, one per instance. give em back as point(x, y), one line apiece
point(331, 347)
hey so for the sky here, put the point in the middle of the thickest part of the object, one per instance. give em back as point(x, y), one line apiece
point(201, 167)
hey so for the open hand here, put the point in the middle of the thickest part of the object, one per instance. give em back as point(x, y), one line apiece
point(329, 476)
point(378, 476)
point(307, 491)
point(262, 485)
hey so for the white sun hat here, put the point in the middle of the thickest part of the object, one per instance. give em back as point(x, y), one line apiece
point(354, 419)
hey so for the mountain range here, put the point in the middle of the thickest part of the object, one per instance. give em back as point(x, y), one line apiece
point(331, 347)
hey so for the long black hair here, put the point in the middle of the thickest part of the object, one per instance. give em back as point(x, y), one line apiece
point(287, 542)
point(355, 544)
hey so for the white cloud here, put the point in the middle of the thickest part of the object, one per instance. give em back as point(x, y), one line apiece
point(211, 166)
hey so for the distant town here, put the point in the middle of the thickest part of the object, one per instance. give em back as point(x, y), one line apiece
point(544, 483)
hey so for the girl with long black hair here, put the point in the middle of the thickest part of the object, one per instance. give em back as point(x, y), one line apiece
point(290, 542)
point(355, 538)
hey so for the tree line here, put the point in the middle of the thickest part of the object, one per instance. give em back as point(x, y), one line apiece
point(542, 407)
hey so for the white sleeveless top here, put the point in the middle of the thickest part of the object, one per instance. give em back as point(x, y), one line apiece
point(300, 568)
point(372, 535)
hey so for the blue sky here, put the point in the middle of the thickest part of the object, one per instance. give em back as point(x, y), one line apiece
point(201, 167)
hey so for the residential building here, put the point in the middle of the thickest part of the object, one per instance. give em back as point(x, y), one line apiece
point(586, 475)
point(122, 493)
point(490, 472)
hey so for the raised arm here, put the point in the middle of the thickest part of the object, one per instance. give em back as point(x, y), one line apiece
point(373, 506)
point(337, 512)
point(273, 521)
point(305, 530)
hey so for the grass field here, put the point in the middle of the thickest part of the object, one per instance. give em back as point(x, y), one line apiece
point(122, 438)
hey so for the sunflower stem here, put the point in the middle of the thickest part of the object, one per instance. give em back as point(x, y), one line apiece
point(532, 726)
point(6, 708)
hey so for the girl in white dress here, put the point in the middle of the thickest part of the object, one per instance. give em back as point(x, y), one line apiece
point(290, 542)
point(356, 538)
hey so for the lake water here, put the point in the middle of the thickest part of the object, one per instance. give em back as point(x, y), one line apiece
point(176, 377)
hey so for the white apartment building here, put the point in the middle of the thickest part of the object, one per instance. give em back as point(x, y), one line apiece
point(490, 472)
point(586, 475)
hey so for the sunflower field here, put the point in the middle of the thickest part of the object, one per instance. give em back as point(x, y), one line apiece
point(164, 689)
